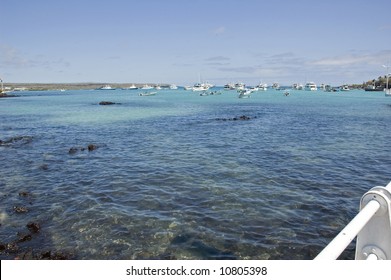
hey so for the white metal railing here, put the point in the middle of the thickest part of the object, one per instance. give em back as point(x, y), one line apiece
point(372, 226)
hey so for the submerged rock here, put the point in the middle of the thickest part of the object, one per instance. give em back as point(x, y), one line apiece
point(20, 209)
point(90, 148)
point(44, 167)
point(24, 194)
point(16, 140)
point(24, 237)
point(241, 118)
point(107, 103)
point(33, 227)
point(73, 150)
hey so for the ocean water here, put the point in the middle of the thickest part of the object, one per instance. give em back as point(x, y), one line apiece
point(182, 176)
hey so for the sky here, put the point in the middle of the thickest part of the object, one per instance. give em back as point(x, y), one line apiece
point(187, 41)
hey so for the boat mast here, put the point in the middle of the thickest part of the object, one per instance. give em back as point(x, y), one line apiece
point(2, 88)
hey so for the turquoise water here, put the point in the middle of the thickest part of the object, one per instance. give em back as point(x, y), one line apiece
point(175, 177)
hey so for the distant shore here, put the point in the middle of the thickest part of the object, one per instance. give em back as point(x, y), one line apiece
point(66, 86)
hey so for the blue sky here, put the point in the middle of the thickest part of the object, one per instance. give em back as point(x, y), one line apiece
point(173, 41)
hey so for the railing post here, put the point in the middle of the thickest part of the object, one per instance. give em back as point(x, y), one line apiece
point(375, 237)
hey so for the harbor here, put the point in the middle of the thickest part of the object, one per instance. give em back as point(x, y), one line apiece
point(180, 176)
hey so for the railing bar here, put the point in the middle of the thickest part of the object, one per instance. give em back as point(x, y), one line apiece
point(345, 237)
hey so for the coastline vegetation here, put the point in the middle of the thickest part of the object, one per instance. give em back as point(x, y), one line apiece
point(380, 82)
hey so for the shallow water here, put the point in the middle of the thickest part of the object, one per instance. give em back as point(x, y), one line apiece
point(175, 177)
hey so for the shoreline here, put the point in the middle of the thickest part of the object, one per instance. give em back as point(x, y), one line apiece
point(15, 87)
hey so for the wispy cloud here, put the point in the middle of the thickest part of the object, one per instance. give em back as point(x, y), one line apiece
point(385, 27)
point(218, 30)
point(353, 59)
point(217, 61)
point(239, 69)
point(353, 66)
point(218, 58)
point(11, 57)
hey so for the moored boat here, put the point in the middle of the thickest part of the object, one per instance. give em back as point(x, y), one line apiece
point(132, 87)
point(146, 86)
point(200, 87)
point(106, 87)
point(262, 87)
point(147, 93)
point(310, 86)
point(246, 93)
point(344, 88)
point(229, 86)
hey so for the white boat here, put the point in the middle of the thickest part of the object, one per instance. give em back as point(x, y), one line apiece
point(229, 86)
point(276, 86)
point(158, 87)
point(240, 86)
point(300, 87)
point(200, 87)
point(188, 87)
point(147, 87)
point(329, 88)
point(246, 93)
point(310, 86)
point(262, 87)
point(106, 87)
point(148, 93)
point(132, 87)
point(297, 86)
point(172, 86)
point(344, 88)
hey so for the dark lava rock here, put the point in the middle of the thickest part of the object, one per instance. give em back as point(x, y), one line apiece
point(107, 103)
point(92, 147)
point(16, 140)
point(24, 237)
point(49, 255)
point(73, 150)
point(24, 194)
point(44, 167)
point(241, 118)
point(20, 209)
point(33, 227)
